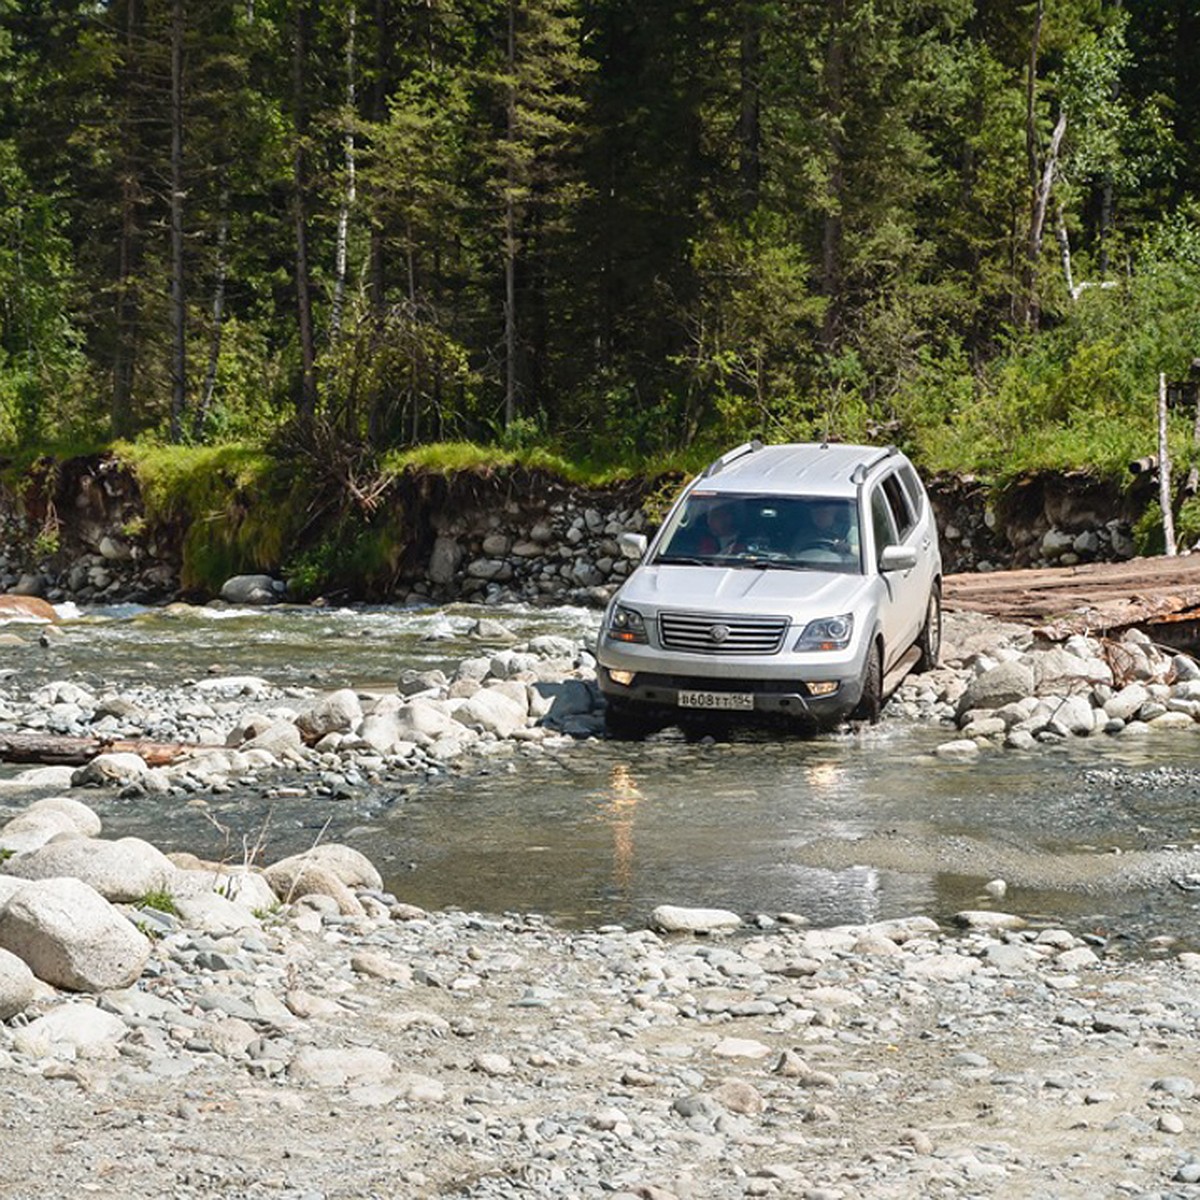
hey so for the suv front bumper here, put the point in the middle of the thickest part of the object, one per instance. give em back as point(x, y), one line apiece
point(782, 697)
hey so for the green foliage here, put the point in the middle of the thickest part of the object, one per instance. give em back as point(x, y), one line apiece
point(239, 508)
point(622, 236)
point(159, 901)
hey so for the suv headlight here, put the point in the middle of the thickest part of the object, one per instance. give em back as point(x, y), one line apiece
point(626, 625)
point(829, 633)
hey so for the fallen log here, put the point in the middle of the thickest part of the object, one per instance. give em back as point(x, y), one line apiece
point(62, 751)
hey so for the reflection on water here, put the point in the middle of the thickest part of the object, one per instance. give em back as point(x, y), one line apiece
point(617, 808)
point(604, 831)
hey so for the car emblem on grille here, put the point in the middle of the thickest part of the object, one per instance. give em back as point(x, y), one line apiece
point(719, 633)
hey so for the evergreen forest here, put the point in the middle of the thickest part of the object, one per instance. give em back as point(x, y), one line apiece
point(619, 230)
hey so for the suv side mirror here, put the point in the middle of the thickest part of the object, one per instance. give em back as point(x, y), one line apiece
point(898, 558)
point(633, 545)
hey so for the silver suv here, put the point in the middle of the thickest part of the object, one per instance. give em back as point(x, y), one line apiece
point(802, 580)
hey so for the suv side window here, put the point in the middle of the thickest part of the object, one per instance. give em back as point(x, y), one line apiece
point(882, 522)
point(912, 485)
point(901, 506)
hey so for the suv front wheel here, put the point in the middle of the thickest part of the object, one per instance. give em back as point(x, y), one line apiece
point(929, 641)
point(871, 702)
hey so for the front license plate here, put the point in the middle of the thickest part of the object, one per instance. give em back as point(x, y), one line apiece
point(742, 701)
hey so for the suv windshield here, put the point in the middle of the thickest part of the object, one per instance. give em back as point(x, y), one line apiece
point(818, 533)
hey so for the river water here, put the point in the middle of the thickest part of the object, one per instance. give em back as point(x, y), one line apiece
point(599, 832)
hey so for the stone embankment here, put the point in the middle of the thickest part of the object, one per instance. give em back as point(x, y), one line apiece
point(178, 1028)
point(504, 540)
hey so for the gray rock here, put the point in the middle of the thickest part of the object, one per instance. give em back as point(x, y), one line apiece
point(281, 738)
point(958, 750)
point(18, 985)
point(444, 561)
point(352, 1066)
point(70, 1031)
point(110, 770)
point(339, 712)
point(71, 937)
point(490, 711)
point(673, 919)
point(253, 589)
point(1127, 703)
point(1003, 684)
point(122, 871)
point(556, 702)
point(1058, 670)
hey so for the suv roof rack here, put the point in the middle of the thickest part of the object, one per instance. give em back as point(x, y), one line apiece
point(860, 473)
point(725, 459)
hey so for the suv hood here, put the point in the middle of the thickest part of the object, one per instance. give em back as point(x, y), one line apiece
point(742, 590)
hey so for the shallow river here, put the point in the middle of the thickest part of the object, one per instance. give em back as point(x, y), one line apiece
point(601, 832)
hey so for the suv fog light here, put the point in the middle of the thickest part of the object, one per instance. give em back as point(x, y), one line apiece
point(624, 678)
point(823, 687)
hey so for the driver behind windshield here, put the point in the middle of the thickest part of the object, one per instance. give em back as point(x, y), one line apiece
point(831, 525)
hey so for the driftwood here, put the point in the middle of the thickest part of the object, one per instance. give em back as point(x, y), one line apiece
point(55, 750)
point(1091, 598)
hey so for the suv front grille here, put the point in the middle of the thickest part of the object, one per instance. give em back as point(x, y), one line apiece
point(700, 633)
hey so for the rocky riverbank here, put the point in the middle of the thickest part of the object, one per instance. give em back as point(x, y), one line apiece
point(182, 1028)
point(337, 1042)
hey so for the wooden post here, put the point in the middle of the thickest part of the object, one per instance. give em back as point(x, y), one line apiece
point(1164, 469)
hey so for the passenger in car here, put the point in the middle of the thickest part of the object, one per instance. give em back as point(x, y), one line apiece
point(831, 526)
point(724, 535)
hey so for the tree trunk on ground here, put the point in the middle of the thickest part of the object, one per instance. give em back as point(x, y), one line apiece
point(53, 750)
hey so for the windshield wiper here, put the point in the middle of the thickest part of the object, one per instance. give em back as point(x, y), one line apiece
point(683, 560)
point(773, 564)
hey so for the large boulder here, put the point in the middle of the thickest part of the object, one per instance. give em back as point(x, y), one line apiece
point(1058, 670)
point(122, 871)
point(490, 711)
point(555, 702)
point(253, 589)
point(994, 688)
point(111, 770)
point(332, 870)
point(351, 866)
point(45, 820)
point(671, 918)
point(339, 712)
point(422, 720)
point(72, 1031)
point(444, 560)
point(244, 885)
point(281, 738)
point(18, 985)
point(71, 937)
